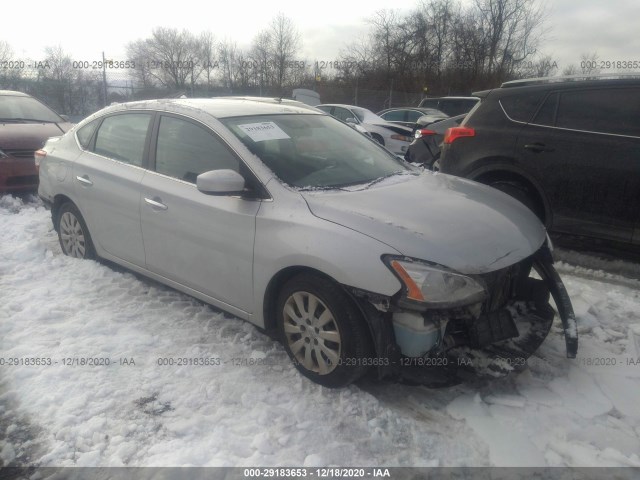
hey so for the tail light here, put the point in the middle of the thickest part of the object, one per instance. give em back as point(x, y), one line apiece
point(402, 138)
point(38, 155)
point(454, 133)
point(424, 132)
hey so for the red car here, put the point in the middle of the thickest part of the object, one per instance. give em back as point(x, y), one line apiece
point(25, 124)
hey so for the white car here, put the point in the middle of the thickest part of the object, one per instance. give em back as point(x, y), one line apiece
point(393, 137)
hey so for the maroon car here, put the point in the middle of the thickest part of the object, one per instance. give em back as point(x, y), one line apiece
point(25, 124)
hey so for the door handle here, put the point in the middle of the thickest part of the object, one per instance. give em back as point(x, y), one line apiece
point(155, 203)
point(538, 147)
point(84, 180)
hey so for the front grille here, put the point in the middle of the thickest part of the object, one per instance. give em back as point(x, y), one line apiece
point(20, 153)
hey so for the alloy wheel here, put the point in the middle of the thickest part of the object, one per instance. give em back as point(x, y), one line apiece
point(312, 333)
point(72, 236)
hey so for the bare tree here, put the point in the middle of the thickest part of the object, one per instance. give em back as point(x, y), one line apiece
point(139, 53)
point(6, 52)
point(260, 59)
point(511, 30)
point(543, 67)
point(272, 54)
point(589, 63)
point(570, 70)
point(9, 76)
point(285, 42)
point(207, 47)
point(59, 75)
point(228, 54)
point(172, 57)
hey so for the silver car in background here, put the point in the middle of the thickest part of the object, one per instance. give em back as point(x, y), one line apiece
point(291, 220)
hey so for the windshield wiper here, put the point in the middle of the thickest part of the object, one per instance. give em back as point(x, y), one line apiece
point(384, 177)
point(24, 120)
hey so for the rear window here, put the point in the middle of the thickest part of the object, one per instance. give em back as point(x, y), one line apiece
point(522, 107)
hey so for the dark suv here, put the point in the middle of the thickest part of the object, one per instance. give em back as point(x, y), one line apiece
point(567, 148)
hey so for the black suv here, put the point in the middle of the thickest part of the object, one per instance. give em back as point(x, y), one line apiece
point(567, 148)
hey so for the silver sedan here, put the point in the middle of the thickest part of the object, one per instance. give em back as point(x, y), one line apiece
point(291, 220)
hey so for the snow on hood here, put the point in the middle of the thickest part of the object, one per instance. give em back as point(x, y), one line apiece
point(443, 219)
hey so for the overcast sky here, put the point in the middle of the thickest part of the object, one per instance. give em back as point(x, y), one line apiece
point(85, 29)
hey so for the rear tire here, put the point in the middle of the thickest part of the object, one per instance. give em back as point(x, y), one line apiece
point(73, 233)
point(323, 333)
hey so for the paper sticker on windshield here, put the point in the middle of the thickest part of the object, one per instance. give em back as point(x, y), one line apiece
point(259, 132)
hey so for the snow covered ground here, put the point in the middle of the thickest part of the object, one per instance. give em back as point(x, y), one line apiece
point(135, 412)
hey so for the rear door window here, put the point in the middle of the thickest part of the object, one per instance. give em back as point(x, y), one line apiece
point(610, 110)
point(547, 113)
point(122, 137)
point(414, 115)
point(394, 116)
point(342, 113)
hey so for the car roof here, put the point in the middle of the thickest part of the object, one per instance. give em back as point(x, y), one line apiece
point(557, 83)
point(452, 98)
point(221, 107)
point(338, 105)
point(419, 109)
point(13, 93)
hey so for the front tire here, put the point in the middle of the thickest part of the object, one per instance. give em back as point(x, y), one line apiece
point(73, 233)
point(322, 331)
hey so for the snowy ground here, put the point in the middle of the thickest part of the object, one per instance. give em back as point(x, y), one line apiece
point(559, 412)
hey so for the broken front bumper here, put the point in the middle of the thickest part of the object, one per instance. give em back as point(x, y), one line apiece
point(512, 325)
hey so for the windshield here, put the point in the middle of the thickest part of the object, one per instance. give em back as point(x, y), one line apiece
point(314, 151)
point(25, 109)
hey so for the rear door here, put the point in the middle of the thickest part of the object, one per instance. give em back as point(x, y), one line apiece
point(203, 242)
point(107, 182)
point(584, 146)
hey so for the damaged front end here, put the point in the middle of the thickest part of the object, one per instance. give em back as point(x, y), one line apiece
point(503, 318)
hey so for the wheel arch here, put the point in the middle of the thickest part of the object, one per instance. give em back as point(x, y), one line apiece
point(283, 276)
point(59, 200)
point(498, 170)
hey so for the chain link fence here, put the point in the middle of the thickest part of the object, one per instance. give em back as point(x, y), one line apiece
point(80, 93)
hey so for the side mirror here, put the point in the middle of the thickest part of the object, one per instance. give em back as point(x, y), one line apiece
point(220, 182)
point(351, 121)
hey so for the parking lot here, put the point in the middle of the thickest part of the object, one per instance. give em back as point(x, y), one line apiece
point(120, 379)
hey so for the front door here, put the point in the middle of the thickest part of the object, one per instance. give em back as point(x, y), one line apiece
point(204, 242)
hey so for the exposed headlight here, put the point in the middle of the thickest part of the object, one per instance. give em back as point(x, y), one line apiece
point(433, 286)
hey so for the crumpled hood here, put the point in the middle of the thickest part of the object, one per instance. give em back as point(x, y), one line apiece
point(447, 220)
